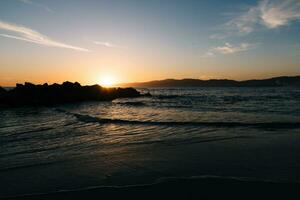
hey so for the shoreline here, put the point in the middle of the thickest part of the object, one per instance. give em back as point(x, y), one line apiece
point(93, 177)
point(177, 188)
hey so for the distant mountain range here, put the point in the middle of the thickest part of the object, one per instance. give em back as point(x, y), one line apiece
point(271, 82)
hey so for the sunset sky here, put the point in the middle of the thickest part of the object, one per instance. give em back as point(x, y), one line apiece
point(141, 40)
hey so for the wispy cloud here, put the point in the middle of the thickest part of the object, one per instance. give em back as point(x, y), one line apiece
point(231, 49)
point(279, 13)
point(228, 48)
point(30, 2)
point(108, 44)
point(29, 35)
point(243, 23)
point(209, 54)
point(267, 13)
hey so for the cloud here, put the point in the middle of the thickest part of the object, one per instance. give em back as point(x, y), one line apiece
point(244, 23)
point(267, 13)
point(108, 45)
point(279, 13)
point(30, 2)
point(29, 35)
point(228, 48)
point(218, 36)
point(209, 54)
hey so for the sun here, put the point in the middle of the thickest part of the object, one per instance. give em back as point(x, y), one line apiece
point(107, 81)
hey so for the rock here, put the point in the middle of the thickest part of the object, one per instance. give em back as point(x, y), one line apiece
point(2, 90)
point(68, 92)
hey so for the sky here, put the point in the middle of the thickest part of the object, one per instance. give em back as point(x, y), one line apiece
point(141, 40)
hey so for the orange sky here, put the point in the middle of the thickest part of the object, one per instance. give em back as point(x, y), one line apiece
point(148, 40)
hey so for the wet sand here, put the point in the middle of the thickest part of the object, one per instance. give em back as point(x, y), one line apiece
point(212, 169)
point(195, 188)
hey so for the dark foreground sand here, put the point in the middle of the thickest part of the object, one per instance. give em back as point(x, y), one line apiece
point(195, 188)
point(211, 164)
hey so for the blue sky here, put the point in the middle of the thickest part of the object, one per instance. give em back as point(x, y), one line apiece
point(139, 40)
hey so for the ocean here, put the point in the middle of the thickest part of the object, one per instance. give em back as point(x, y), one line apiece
point(226, 133)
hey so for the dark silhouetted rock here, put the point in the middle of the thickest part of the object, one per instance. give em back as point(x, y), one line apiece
point(2, 90)
point(30, 94)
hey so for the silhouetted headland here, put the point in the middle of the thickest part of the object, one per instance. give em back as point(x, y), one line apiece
point(30, 94)
point(272, 82)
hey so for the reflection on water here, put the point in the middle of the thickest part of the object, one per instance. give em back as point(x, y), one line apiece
point(170, 118)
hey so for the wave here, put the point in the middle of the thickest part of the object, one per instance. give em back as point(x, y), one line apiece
point(131, 103)
point(175, 142)
point(32, 164)
point(167, 96)
point(32, 131)
point(262, 125)
point(228, 98)
point(176, 185)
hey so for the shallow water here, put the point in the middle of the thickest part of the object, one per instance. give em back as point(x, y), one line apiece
point(240, 132)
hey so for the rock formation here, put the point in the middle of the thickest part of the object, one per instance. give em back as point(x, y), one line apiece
point(30, 94)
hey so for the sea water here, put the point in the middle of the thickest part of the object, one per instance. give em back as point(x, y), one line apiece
point(250, 133)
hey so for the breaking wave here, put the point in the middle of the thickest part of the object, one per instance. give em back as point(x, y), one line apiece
point(262, 125)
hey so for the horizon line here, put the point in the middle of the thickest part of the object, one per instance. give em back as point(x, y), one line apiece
point(119, 84)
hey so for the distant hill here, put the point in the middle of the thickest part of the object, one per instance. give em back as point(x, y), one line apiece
point(271, 82)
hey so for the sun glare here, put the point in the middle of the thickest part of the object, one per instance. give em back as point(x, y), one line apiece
point(107, 81)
